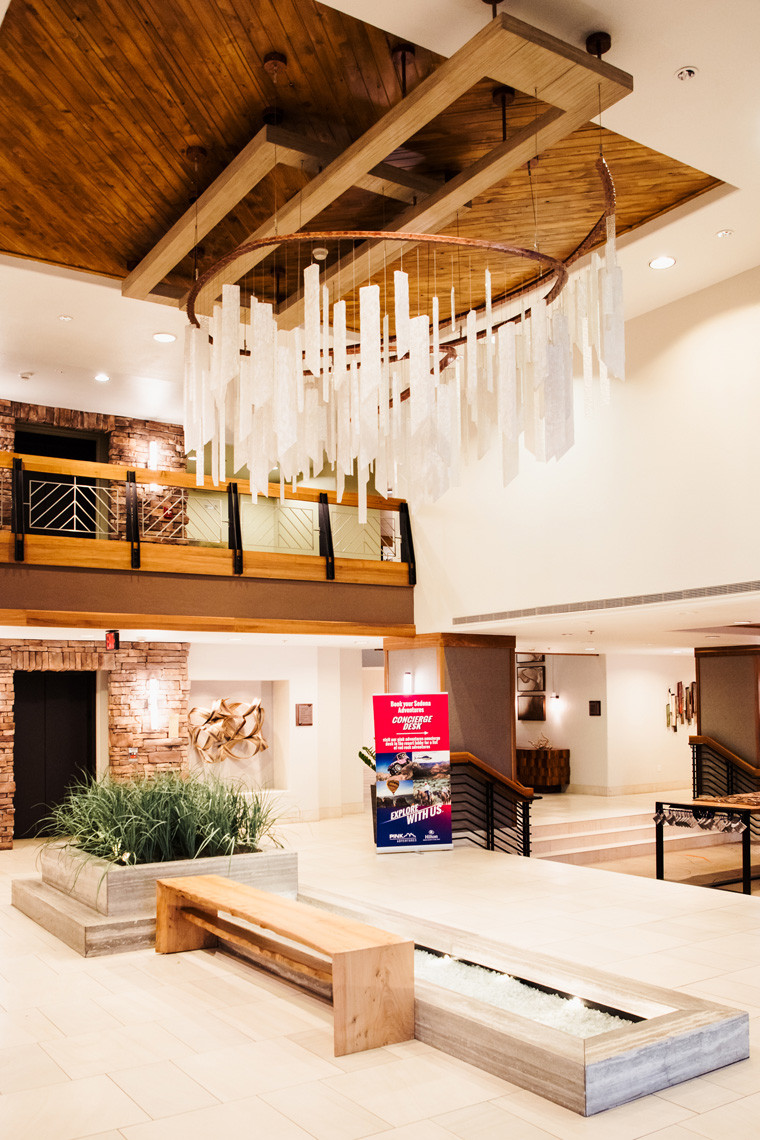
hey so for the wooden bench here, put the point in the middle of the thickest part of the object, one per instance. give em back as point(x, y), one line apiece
point(371, 971)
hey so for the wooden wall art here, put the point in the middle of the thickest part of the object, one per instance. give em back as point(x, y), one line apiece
point(229, 730)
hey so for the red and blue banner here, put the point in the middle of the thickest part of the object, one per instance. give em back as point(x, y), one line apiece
point(413, 771)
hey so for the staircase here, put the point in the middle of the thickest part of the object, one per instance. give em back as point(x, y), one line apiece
point(608, 837)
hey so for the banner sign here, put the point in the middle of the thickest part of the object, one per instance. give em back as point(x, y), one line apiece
point(413, 771)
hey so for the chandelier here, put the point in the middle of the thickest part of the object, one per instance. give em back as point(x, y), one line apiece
point(414, 407)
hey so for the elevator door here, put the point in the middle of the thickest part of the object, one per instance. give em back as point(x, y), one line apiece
point(54, 741)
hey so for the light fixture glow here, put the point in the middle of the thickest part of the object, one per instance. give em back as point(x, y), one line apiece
point(65, 317)
point(153, 455)
point(102, 377)
point(663, 262)
point(164, 337)
point(724, 233)
point(407, 686)
point(153, 702)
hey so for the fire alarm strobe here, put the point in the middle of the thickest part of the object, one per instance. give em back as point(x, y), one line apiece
point(112, 639)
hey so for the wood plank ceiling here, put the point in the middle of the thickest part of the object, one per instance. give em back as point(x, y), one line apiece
point(101, 101)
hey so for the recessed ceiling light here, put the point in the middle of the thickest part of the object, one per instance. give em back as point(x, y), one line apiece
point(687, 72)
point(102, 377)
point(65, 317)
point(591, 649)
point(663, 262)
point(712, 637)
point(744, 623)
point(724, 233)
point(164, 338)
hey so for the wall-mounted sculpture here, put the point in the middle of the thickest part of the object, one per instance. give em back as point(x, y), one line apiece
point(229, 730)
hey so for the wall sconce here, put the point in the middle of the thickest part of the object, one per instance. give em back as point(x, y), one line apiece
point(153, 703)
point(407, 685)
point(153, 455)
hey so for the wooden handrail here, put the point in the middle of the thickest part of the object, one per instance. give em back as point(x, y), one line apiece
point(118, 472)
point(724, 753)
point(513, 785)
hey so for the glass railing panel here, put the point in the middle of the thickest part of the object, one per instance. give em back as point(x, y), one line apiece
point(378, 538)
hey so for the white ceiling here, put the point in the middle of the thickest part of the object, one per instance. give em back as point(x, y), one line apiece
point(673, 627)
point(711, 122)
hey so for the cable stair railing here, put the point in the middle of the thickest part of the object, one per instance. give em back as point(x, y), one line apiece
point(717, 772)
point(488, 808)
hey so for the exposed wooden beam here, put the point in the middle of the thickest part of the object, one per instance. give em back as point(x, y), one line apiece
point(507, 50)
point(271, 146)
point(384, 178)
point(440, 209)
point(456, 75)
point(253, 163)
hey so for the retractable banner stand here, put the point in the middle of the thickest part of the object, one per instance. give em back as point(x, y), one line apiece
point(413, 771)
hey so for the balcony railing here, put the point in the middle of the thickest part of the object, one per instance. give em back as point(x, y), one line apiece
point(48, 502)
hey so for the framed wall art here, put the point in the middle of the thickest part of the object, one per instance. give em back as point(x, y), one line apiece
point(531, 678)
point(532, 707)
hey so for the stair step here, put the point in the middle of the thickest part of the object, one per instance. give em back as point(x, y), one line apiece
point(629, 848)
point(586, 826)
point(600, 838)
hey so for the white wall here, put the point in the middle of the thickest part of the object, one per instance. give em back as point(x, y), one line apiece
point(643, 754)
point(628, 749)
point(616, 515)
point(316, 766)
point(578, 680)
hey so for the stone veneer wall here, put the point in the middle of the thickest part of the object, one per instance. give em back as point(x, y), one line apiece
point(128, 440)
point(129, 669)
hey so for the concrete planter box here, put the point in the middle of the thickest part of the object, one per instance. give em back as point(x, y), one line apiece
point(96, 908)
point(113, 890)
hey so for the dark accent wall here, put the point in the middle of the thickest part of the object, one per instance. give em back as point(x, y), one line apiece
point(28, 587)
point(480, 683)
point(728, 702)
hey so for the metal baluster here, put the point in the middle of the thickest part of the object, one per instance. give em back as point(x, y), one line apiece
point(17, 508)
point(325, 537)
point(133, 522)
point(407, 545)
point(233, 528)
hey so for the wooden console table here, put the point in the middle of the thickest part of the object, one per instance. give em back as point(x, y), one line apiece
point(544, 769)
point(371, 971)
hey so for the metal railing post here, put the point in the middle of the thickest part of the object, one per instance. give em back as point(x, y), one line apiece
point(407, 545)
point(489, 817)
point(525, 821)
point(325, 537)
point(235, 540)
point(133, 521)
point(696, 774)
point(17, 508)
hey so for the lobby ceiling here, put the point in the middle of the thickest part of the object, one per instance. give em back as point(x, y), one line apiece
point(101, 104)
point(119, 204)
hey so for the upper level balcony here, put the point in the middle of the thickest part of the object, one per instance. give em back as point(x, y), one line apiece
point(84, 543)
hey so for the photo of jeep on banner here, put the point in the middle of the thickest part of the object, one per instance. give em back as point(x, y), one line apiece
point(413, 771)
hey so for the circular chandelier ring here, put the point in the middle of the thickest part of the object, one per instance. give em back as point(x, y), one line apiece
point(555, 267)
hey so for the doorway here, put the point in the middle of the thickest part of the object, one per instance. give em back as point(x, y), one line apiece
point(54, 742)
point(59, 504)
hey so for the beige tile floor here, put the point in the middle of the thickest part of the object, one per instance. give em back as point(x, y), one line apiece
point(141, 1047)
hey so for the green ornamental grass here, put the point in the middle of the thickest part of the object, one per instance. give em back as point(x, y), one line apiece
point(163, 817)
